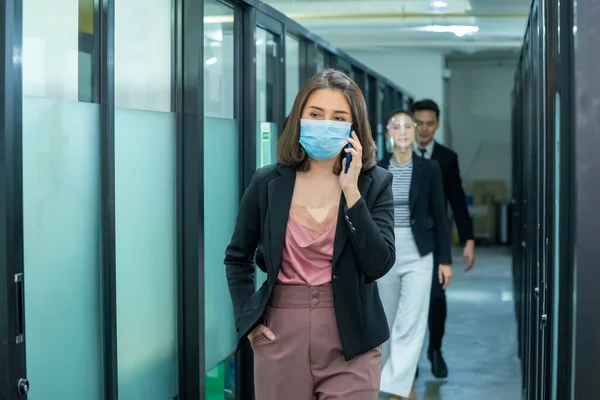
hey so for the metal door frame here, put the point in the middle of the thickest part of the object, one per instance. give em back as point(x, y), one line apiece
point(373, 104)
point(564, 266)
point(12, 317)
point(275, 67)
point(586, 134)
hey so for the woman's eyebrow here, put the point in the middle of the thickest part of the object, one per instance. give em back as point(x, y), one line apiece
point(335, 112)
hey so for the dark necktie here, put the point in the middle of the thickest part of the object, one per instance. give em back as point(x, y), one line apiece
point(423, 151)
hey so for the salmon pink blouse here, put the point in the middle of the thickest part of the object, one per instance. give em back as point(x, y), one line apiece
point(308, 250)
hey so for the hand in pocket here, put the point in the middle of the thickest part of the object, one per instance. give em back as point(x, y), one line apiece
point(261, 330)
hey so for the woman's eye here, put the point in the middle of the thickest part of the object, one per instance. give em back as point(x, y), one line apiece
point(314, 115)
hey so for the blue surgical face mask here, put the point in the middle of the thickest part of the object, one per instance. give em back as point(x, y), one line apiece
point(323, 140)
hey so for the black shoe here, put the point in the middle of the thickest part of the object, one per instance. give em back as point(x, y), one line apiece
point(439, 369)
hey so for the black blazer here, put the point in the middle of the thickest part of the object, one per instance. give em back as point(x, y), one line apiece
point(429, 222)
point(453, 189)
point(364, 251)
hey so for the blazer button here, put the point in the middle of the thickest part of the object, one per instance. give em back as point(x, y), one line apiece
point(347, 218)
point(352, 229)
point(335, 277)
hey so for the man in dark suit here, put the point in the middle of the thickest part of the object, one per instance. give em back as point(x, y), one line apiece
point(427, 114)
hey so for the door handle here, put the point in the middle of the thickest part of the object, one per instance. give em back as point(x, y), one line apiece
point(22, 386)
point(20, 308)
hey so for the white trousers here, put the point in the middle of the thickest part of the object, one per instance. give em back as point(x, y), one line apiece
point(405, 292)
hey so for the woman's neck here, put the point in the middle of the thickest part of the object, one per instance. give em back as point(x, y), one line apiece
point(403, 156)
point(322, 168)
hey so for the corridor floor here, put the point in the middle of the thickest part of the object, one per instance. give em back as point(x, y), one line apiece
point(480, 344)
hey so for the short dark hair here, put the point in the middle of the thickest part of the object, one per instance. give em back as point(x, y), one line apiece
point(289, 150)
point(426, 105)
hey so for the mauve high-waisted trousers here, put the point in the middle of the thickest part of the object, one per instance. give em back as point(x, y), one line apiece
point(305, 360)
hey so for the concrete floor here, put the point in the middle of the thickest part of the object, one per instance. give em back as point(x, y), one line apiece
point(480, 344)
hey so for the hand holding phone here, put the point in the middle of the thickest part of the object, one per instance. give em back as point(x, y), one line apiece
point(349, 179)
point(348, 155)
point(348, 159)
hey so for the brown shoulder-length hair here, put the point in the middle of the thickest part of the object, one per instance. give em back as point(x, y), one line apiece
point(289, 150)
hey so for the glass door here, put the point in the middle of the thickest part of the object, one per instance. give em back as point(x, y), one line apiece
point(345, 66)
point(13, 383)
point(270, 104)
point(360, 79)
point(399, 100)
point(222, 155)
point(373, 105)
point(382, 112)
point(61, 200)
point(292, 70)
point(321, 59)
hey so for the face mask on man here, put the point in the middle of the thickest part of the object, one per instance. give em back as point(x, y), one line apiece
point(323, 140)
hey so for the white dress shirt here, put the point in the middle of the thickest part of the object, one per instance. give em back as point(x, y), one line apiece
point(428, 149)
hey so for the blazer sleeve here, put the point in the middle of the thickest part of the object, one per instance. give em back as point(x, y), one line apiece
point(458, 201)
point(371, 232)
point(239, 255)
point(441, 225)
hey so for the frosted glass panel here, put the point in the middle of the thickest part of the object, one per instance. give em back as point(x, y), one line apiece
point(221, 199)
point(146, 254)
point(61, 239)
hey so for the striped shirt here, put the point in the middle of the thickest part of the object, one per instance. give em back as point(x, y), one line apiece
point(402, 174)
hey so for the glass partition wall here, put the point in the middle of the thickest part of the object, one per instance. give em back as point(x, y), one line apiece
point(221, 190)
point(123, 170)
point(292, 70)
point(145, 201)
point(61, 185)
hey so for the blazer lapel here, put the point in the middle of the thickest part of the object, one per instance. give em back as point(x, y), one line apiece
point(281, 191)
point(415, 182)
point(341, 232)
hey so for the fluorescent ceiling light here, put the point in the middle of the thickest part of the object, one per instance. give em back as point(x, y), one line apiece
point(211, 60)
point(458, 30)
point(438, 4)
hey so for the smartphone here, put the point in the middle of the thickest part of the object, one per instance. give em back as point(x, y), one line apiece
point(348, 155)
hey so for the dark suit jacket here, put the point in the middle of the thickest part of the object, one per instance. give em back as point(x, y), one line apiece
point(429, 222)
point(364, 251)
point(453, 189)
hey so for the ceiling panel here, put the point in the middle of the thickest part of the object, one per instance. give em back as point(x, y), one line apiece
point(449, 25)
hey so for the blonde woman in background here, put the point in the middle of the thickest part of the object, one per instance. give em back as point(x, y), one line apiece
point(421, 229)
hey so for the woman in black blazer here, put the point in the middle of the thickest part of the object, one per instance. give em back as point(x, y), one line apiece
point(323, 234)
point(421, 228)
